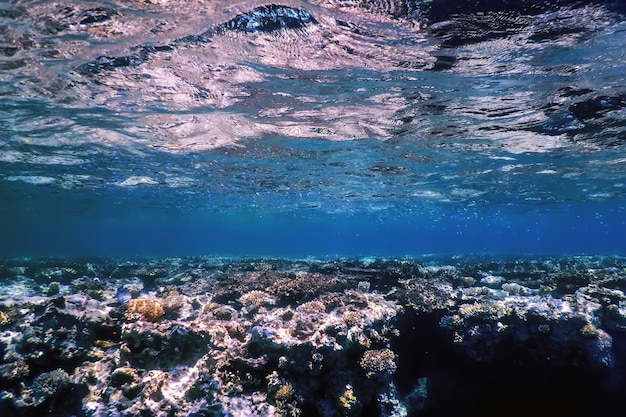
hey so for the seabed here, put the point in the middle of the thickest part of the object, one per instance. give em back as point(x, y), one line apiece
point(272, 337)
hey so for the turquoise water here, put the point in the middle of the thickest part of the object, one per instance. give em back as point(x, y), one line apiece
point(355, 135)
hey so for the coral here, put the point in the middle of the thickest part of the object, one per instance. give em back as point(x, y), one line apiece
point(147, 346)
point(276, 342)
point(284, 393)
point(43, 388)
point(173, 302)
point(426, 295)
point(14, 371)
point(348, 399)
point(53, 288)
point(5, 320)
point(104, 344)
point(255, 299)
point(123, 376)
point(289, 409)
point(514, 288)
point(492, 281)
point(352, 318)
point(378, 362)
point(283, 396)
point(144, 309)
point(304, 285)
point(493, 310)
point(589, 331)
point(312, 307)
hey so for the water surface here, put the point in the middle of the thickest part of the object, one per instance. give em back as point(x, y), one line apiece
point(170, 128)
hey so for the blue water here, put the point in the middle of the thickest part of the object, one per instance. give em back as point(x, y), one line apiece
point(166, 223)
point(321, 235)
point(315, 142)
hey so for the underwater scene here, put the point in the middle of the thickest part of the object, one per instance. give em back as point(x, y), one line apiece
point(312, 208)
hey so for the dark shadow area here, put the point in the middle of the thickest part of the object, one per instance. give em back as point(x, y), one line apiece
point(513, 381)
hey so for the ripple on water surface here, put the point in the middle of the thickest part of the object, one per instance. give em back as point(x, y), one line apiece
point(344, 107)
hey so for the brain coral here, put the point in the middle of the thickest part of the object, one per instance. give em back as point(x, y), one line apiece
point(144, 309)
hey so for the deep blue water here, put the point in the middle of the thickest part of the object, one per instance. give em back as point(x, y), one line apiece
point(115, 223)
point(502, 134)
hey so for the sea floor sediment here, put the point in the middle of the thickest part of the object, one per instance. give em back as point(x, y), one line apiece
point(344, 337)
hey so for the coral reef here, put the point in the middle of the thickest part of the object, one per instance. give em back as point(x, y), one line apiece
point(293, 338)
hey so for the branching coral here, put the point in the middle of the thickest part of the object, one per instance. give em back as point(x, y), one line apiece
point(378, 362)
point(285, 392)
point(255, 299)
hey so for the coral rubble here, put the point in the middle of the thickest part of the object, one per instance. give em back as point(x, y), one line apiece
point(216, 337)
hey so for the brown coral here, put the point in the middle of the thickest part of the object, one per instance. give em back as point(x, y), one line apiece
point(255, 299)
point(5, 320)
point(144, 309)
point(285, 392)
